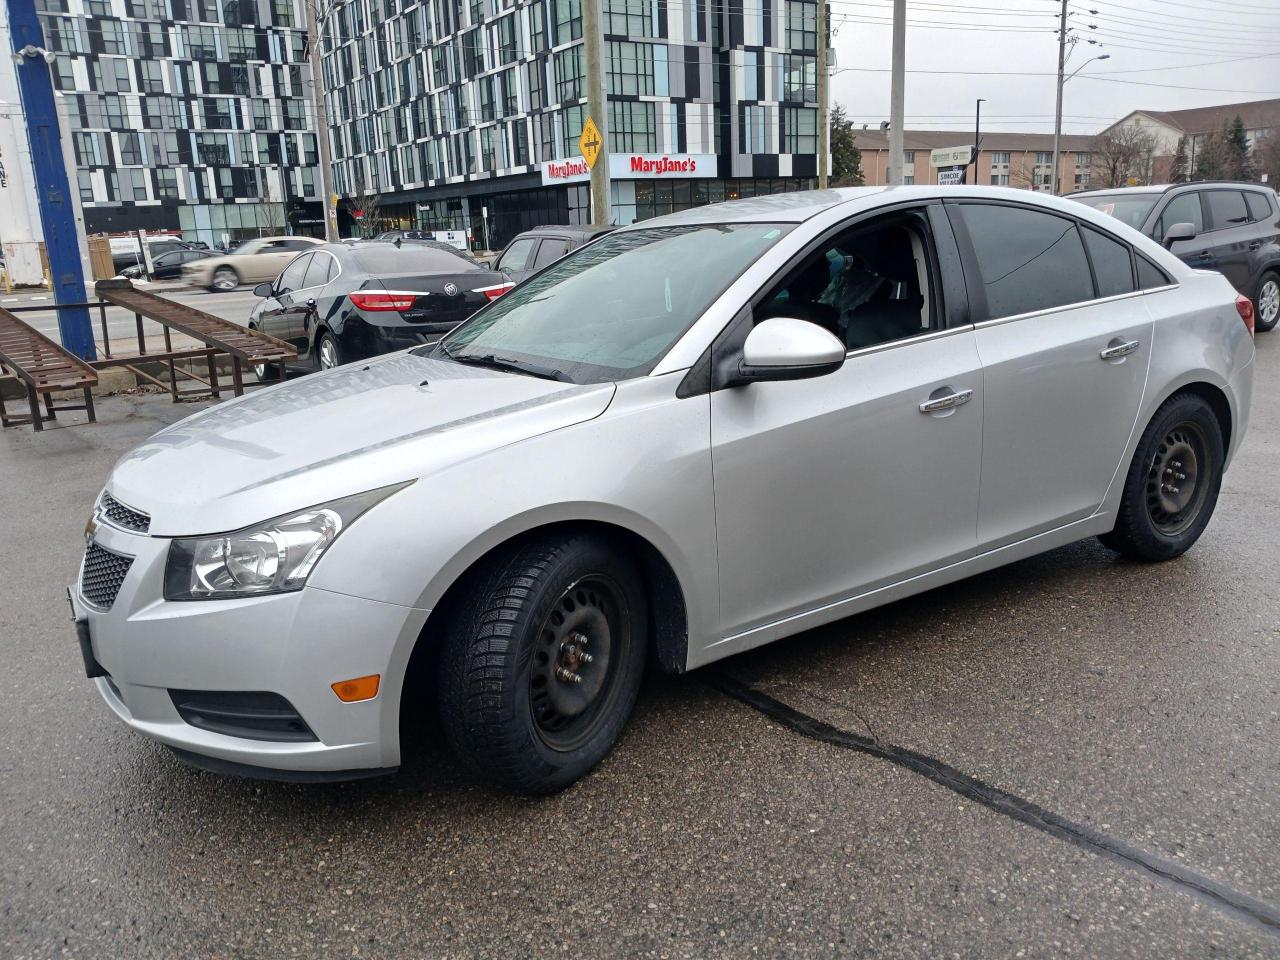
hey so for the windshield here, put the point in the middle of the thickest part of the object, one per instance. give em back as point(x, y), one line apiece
point(610, 310)
point(1130, 208)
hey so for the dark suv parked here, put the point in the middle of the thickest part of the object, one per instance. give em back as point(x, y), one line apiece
point(1229, 227)
point(532, 250)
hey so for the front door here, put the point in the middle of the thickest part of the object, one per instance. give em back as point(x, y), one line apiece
point(1065, 342)
point(828, 488)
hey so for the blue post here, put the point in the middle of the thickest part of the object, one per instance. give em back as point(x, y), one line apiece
point(57, 212)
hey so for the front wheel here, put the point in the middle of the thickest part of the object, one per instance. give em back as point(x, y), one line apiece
point(1173, 482)
point(224, 280)
point(1266, 304)
point(541, 664)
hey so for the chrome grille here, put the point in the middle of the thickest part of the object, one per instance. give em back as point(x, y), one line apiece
point(104, 572)
point(117, 514)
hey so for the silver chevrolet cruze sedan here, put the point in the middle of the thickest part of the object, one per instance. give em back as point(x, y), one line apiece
point(691, 437)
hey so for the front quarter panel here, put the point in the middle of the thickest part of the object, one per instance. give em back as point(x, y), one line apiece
point(644, 465)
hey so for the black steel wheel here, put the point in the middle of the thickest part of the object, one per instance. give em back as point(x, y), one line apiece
point(542, 661)
point(1172, 485)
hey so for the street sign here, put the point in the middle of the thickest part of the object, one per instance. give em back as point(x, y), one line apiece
point(590, 143)
point(950, 156)
point(951, 178)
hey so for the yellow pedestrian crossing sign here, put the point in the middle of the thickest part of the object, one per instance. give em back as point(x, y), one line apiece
point(589, 143)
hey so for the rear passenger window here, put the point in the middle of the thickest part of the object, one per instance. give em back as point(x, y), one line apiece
point(318, 271)
point(552, 249)
point(1226, 208)
point(1112, 264)
point(1150, 276)
point(1027, 260)
point(1259, 208)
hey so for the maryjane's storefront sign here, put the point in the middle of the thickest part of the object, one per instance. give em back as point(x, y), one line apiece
point(633, 166)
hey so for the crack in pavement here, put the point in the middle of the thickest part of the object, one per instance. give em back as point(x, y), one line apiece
point(1215, 894)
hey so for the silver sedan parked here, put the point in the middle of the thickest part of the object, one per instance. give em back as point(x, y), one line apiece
point(697, 435)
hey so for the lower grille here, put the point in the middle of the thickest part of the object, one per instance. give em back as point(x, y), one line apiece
point(104, 572)
point(254, 716)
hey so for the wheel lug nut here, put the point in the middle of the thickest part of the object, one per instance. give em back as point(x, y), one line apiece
point(567, 676)
point(1181, 476)
point(584, 656)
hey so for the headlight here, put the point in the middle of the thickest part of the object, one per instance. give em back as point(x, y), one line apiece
point(274, 557)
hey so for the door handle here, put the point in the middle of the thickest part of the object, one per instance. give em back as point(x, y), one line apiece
point(1254, 244)
point(1114, 350)
point(951, 400)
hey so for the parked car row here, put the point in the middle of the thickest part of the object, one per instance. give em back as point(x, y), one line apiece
point(1232, 228)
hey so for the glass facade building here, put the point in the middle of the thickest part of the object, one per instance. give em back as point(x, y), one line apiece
point(466, 114)
point(191, 115)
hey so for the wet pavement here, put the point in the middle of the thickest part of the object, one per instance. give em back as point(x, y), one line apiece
point(1139, 704)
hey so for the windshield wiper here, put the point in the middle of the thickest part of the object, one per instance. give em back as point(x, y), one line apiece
point(514, 366)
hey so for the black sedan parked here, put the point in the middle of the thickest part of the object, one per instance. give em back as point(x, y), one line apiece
point(165, 266)
point(342, 302)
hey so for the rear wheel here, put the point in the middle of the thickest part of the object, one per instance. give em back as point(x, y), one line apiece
point(1173, 482)
point(1266, 304)
point(541, 664)
point(224, 280)
point(327, 354)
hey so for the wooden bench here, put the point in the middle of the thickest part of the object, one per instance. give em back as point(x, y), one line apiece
point(45, 367)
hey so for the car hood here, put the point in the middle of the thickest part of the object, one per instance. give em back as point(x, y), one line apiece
point(337, 433)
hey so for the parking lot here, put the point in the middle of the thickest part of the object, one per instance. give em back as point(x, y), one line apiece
point(1072, 756)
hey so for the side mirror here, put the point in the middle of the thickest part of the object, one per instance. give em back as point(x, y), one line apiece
point(1179, 231)
point(264, 289)
point(784, 348)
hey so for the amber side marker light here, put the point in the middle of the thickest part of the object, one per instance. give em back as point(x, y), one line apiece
point(361, 688)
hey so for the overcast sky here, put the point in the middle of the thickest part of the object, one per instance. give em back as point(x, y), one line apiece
point(1170, 52)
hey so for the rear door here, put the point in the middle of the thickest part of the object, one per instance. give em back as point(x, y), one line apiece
point(1065, 340)
point(550, 250)
point(1230, 235)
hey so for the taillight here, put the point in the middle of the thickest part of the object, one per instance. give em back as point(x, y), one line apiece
point(494, 292)
point(374, 300)
point(1244, 307)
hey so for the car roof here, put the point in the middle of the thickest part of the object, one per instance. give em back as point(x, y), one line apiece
point(561, 229)
point(1159, 188)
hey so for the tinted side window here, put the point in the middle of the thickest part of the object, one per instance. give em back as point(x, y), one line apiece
point(1112, 263)
point(1259, 208)
point(517, 254)
point(1226, 208)
point(291, 278)
point(552, 249)
point(295, 244)
point(318, 272)
point(1150, 276)
point(1027, 260)
point(1184, 208)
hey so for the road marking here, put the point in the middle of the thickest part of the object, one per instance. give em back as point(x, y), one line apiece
point(1215, 894)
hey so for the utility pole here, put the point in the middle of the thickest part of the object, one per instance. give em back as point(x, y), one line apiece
point(322, 122)
point(1057, 113)
point(824, 108)
point(897, 90)
point(597, 110)
point(53, 190)
point(977, 135)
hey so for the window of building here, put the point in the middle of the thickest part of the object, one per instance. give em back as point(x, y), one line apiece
point(1112, 263)
point(1081, 181)
point(1044, 158)
point(569, 74)
point(1000, 158)
point(633, 126)
point(538, 26)
point(115, 38)
point(130, 148)
point(999, 179)
point(908, 179)
point(800, 130)
point(152, 76)
point(630, 18)
point(571, 119)
point(753, 128)
point(568, 20)
point(166, 184)
point(535, 72)
point(799, 78)
point(909, 158)
point(630, 68)
point(84, 180)
point(1084, 158)
point(1027, 260)
point(138, 183)
point(802, 25)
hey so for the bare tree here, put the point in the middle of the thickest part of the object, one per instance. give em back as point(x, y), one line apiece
point(1021, 173)
point(270, 214)
point(1122, 154)
point(366, 199)
point(1266, 157)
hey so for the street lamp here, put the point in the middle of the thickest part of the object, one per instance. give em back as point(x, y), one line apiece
point(1057, 115)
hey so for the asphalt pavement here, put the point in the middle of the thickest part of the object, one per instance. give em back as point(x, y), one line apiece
point(1074, 756)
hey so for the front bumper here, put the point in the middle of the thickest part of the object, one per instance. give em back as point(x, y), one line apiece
point(292, 644)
